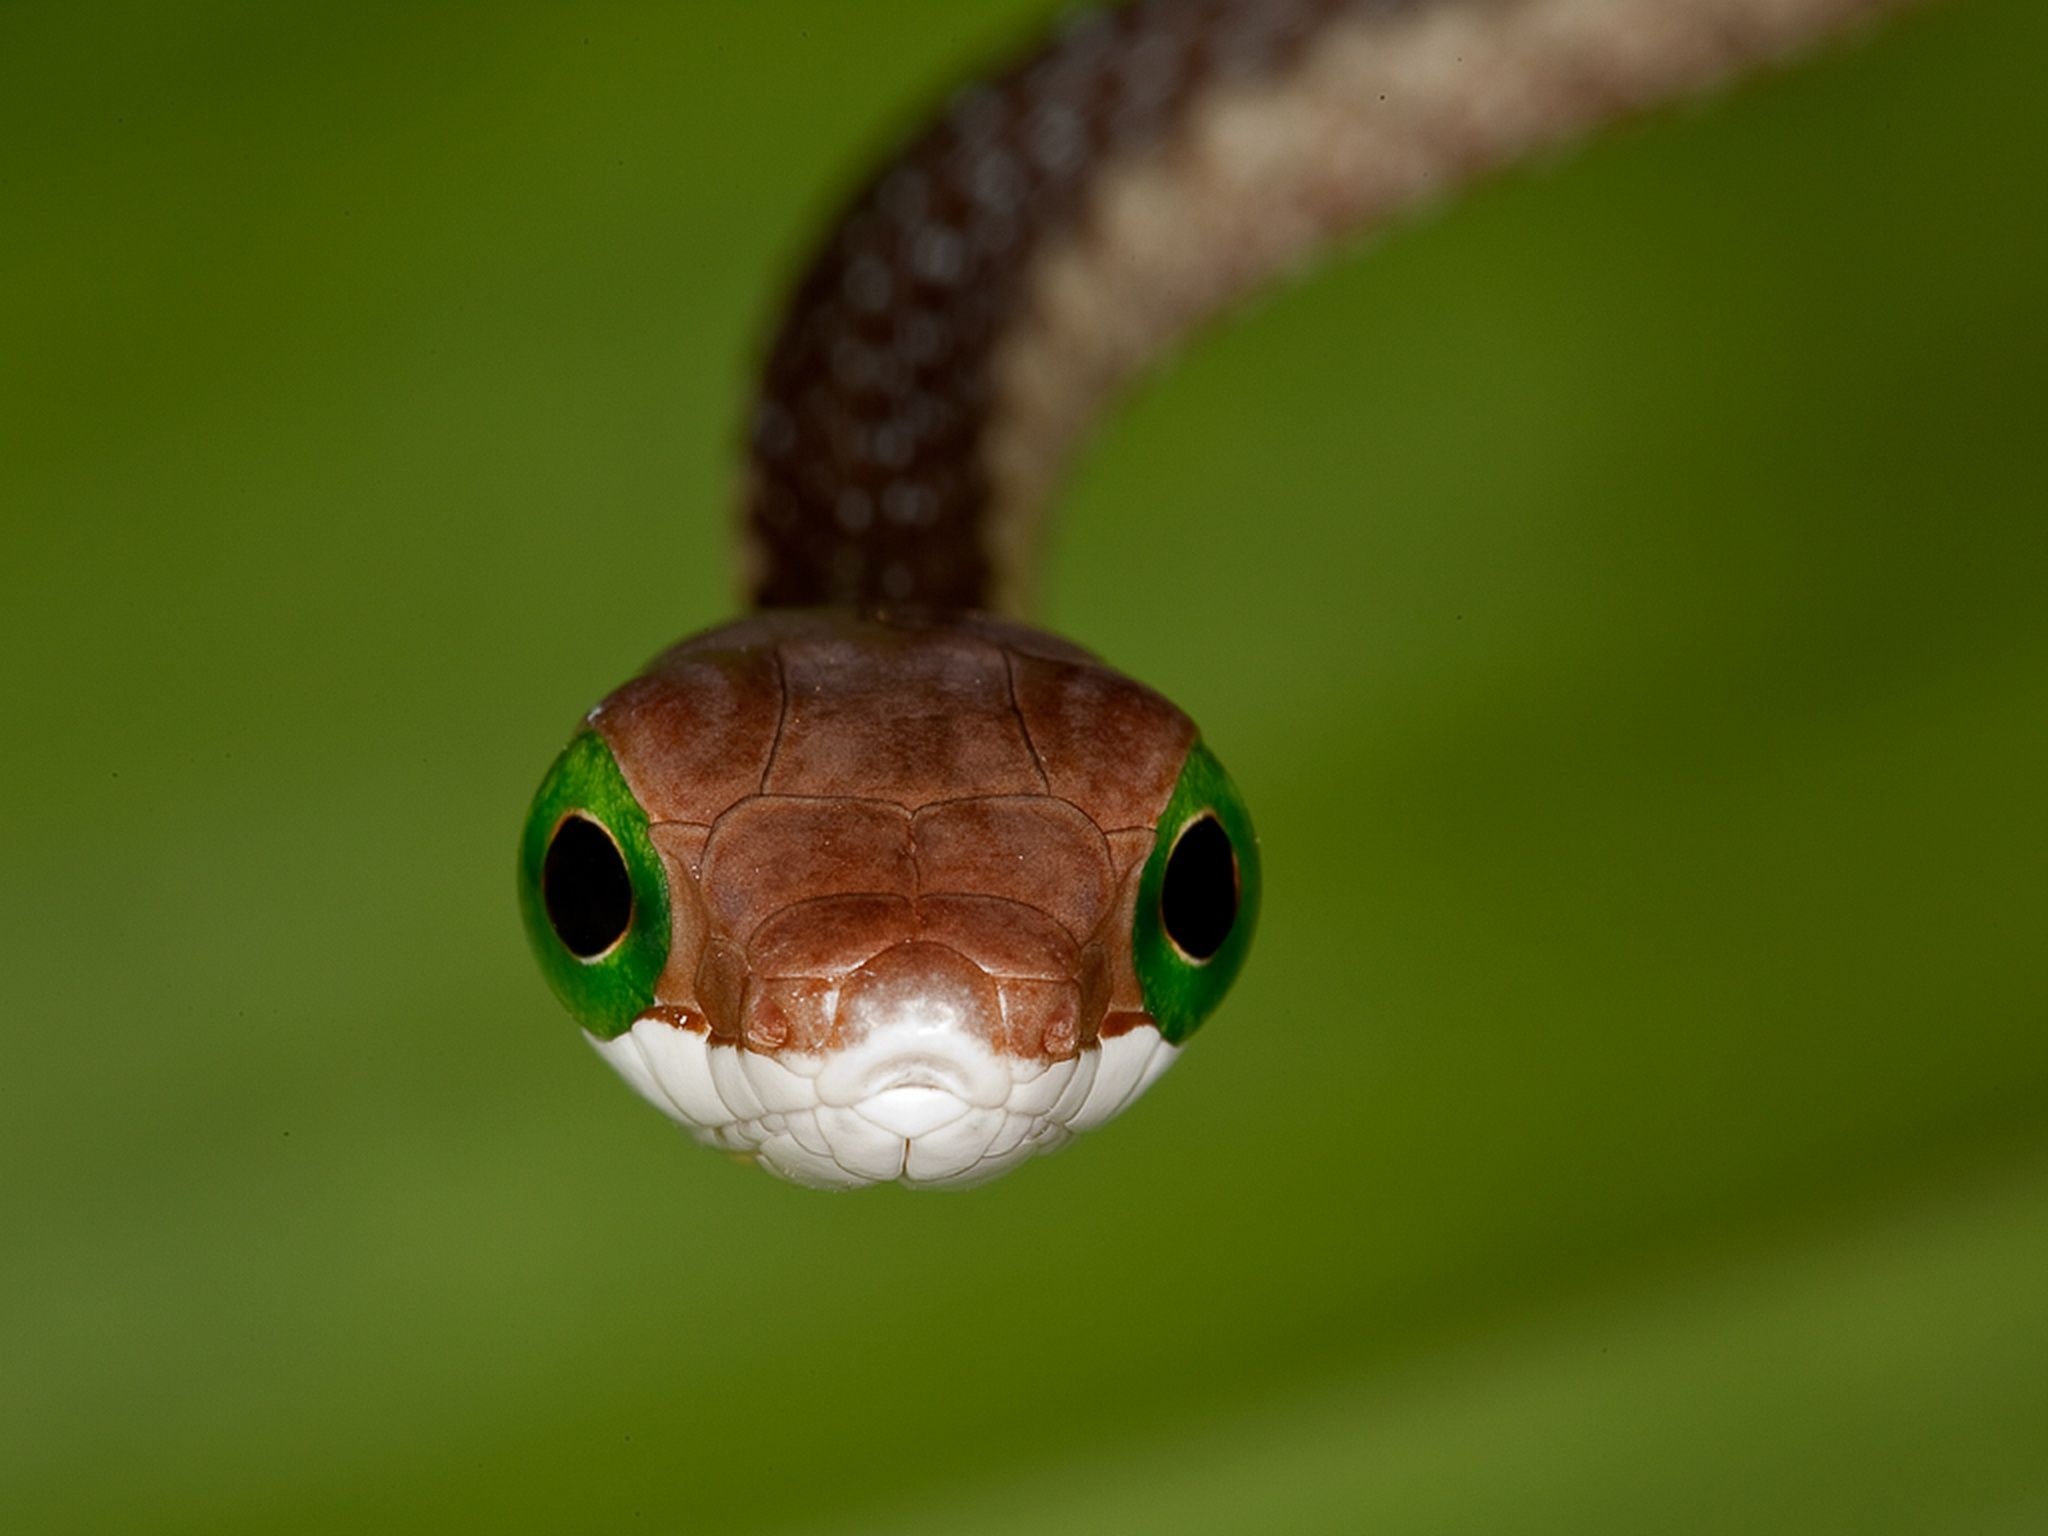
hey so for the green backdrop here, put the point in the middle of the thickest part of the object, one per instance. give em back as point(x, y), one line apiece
point(1621, 599)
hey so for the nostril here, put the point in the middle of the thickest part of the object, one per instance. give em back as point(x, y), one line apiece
point(787, 1013)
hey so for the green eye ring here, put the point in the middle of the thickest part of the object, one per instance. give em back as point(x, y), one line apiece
point(1198, 898)
point(592, 890)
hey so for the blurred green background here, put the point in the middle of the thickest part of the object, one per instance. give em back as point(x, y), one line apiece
point(1621, 597)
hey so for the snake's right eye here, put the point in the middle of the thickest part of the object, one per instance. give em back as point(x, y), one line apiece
point(586, 888)
point(593, 890)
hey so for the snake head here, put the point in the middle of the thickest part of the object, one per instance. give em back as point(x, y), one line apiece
point(885, 897)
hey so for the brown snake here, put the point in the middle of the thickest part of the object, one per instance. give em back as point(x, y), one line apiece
point(874, 885)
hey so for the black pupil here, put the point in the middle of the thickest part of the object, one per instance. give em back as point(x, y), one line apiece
point(588, 893)
point(1198, 902)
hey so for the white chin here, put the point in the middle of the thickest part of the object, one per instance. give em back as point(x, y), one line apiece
point(916, 1106)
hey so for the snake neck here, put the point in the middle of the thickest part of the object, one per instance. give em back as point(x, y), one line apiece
point(987, 292)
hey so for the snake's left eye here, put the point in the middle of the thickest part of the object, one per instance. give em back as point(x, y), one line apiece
point(1197, 898)
point(593, 890)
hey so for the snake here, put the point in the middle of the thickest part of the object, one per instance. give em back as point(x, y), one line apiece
point(880, 883)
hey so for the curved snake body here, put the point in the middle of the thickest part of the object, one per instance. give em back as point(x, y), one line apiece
point(873, 885)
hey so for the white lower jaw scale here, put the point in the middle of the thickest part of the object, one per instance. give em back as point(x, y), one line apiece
point(910, 1105)
point(912, 1111)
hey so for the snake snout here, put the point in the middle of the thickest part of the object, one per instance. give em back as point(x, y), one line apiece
point(923, 992)
point(916, 1021)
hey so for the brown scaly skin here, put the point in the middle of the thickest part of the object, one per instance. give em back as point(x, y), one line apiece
point(878, 393)
point(961, 805)
point(1064, 223)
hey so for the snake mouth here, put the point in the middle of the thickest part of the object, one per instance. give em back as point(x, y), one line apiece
point(906, 1105)
point(914, 1059)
